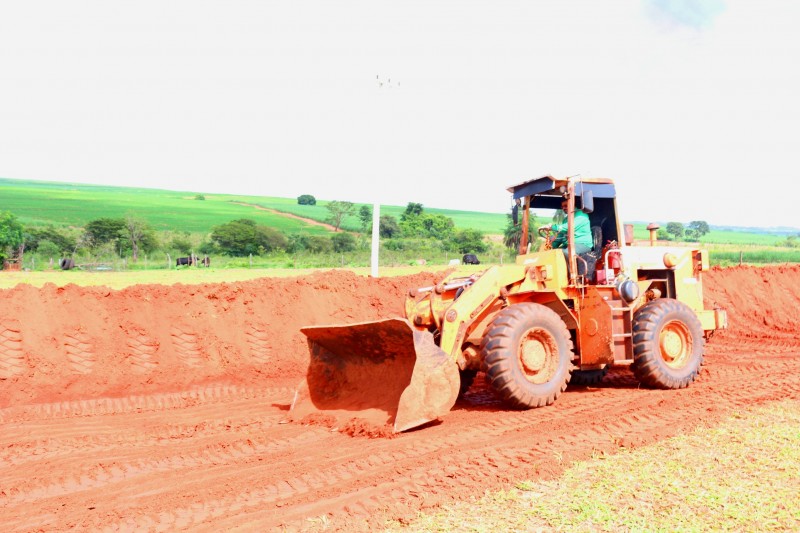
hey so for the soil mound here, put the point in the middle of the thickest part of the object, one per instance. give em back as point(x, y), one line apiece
point(71, 342)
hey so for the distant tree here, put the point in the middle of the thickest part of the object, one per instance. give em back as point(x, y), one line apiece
point(675, 229)
point(438, 226)
point(365, 215)
point(48, 249)
point(135, 229)
point(243, 237)
point(412, 210)
point(236, 238)
point(306, 199)
point(426, 225)
point(11, 235)
point(270, 239)
point(200, 197)
point(35, 236)
point(388, 227)
point(103, 230)
point(338, 210)
point(663, 235)
point(792, 241)
point(700, 227)
point(696, 229)
point(467, 241)
point(513, 232)
point(343, 242)
point(146, 243)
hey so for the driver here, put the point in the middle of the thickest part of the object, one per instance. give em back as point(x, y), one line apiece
point(583, 232)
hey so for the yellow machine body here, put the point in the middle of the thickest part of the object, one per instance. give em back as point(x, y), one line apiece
point(408, 368)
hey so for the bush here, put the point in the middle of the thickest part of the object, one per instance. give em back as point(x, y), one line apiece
point(181, 244)
point(306, 199)
point(318, 244)
point(48, 249)
point(388, 227)
point(343, 242)
point(467, 241)
point(244, 237)
point(35, 236)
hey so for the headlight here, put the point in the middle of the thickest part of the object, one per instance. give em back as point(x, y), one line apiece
point(628, 290)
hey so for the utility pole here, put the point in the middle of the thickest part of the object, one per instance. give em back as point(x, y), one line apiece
point(383, 84)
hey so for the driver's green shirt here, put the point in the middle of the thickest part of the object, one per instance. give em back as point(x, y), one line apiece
point(583, 231)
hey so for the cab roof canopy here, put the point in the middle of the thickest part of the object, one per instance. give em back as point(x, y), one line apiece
point(550, 186)
point(549, 190)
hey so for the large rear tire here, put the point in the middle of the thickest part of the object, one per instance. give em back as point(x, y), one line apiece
point(667, 344)
point(527, 355)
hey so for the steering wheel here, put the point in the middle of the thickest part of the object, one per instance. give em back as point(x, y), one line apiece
point(546, 232)
point(548, 236)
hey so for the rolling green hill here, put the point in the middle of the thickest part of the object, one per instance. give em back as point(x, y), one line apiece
point(66, 204)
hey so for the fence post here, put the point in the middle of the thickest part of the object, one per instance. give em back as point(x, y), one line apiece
point(741, 255)
point(251, 260)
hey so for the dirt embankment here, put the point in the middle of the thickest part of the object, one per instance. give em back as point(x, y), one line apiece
point(162, 407)
point(63, 343)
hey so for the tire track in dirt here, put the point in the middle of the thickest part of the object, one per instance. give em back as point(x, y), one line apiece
point(159, 402)
point(187, 346)
point(258, 339)
point(12, 358)
point(66, 436)
point(142, 352)
point(431, 465)
point(98, 475)
point(429, 461)
point(79, 351)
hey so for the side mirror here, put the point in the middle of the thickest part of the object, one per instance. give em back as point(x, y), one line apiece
point(587, 202)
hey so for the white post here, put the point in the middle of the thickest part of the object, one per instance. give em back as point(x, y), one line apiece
point(376, 209)
point(376, 222)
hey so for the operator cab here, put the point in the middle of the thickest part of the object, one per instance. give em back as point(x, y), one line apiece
point(594, 196)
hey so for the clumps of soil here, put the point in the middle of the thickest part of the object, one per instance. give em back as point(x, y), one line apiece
point(358, 427)
point(318, 419)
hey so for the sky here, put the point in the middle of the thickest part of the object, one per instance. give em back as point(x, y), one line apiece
point(692, 108)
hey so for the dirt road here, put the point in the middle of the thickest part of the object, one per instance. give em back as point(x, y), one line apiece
point(162, 407)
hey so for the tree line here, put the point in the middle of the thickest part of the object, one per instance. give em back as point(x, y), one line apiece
point(131, 236)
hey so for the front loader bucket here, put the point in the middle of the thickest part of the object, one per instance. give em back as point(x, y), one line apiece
point(385, 372)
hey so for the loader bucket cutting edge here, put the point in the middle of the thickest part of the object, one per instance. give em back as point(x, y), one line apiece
point(385, 371)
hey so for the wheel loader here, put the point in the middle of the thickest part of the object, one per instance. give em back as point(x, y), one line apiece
point(551, 318)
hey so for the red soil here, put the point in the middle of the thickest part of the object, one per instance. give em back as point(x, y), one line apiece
point(163, 407)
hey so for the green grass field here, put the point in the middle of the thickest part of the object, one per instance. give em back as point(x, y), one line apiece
point(63, 205)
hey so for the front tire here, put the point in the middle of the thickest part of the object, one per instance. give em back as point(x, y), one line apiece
point(527, 355)
point(667, 344)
